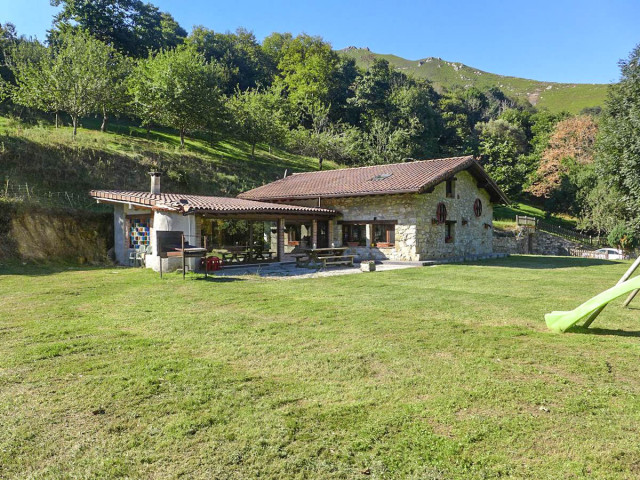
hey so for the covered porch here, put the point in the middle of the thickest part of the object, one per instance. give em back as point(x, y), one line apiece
point(150, 228)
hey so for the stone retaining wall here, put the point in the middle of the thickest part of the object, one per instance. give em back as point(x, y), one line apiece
point(536, 243)
point(32, 233)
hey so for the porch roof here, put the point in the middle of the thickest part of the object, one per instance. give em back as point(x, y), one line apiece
point(214, 206)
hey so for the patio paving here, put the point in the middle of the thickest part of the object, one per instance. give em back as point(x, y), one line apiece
point(291, 271)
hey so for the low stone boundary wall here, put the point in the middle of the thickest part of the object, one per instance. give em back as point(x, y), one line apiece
point(534, 243)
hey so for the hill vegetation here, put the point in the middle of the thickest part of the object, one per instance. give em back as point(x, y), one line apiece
point(46, 159)
point(556, 97)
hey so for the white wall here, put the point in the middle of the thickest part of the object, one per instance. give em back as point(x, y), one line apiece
point(173, 222)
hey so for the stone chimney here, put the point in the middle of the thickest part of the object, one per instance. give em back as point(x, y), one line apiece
point(155, 182)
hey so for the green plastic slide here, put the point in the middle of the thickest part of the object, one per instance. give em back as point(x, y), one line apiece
point(560, 321)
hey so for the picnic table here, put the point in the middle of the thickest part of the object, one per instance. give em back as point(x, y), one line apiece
point(324, 256)
point(246, 254)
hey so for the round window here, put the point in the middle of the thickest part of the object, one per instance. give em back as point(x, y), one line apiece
point(477, 207)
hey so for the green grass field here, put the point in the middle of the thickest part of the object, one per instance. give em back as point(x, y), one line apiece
point(437, 373)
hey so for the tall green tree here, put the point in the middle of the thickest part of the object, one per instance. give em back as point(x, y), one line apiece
point(31, 65)
point(244, 63)
point(73, 77)
point(130, 26)
point(177, 88)
point(502, 145)
point(257, 116)
point(308, 71)
point(618, 148)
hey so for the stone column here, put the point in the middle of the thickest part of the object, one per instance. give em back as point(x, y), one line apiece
point(369, 233)
point(280, 234)
point(314, 233)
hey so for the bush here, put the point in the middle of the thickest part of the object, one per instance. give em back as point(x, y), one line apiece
point(622, 237)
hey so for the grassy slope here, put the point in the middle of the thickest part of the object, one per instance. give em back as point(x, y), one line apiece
point(112, 372)
point(49, 160)
point(505, 216)
point(554, 96)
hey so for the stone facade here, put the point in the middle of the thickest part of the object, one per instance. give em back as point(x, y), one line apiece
point(417, 236)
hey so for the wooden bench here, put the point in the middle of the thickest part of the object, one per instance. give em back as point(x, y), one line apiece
point(336, 260)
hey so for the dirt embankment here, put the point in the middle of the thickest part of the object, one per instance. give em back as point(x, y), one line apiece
point(39, 234)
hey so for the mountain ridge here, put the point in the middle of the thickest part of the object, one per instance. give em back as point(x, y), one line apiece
point(554, 96)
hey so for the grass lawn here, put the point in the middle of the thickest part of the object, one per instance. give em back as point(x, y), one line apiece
point(505, 216)
point(440, 372)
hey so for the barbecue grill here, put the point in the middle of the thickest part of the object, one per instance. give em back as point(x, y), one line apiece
point(173, 244)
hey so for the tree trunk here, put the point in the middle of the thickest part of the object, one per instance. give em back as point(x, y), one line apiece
point(105, 119)
point(75, 125)
point(269, 149)
point(320, 162)
point(253, 150)
point(182, 137)
point(57, 120)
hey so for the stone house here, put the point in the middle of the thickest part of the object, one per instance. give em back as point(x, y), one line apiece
point(411, 211)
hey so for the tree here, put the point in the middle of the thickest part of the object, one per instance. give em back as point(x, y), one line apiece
point(242, 59)
point(130, 26)
point(8, 38)
point(74, 77)
point(111, 87)
point(30, 66)
point(501, 146)
point(257, 116)
point(308, 71)
point(618, 148)
point(176, 88)
point(571, 148)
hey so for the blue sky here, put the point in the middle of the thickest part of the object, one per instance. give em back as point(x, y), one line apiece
point(561, 40)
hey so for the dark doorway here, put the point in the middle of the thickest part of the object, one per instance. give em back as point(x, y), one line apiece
point(323, 234)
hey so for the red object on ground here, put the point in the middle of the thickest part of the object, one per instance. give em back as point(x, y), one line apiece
point(213, 263)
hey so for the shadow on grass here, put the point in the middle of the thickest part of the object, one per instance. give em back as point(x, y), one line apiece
point(39, 270)
point(605, 331)
point(214, 279)
point(545, 262)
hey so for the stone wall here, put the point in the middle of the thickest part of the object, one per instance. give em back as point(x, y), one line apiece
point(471, 235)
point(535, 243)
point(416, 235)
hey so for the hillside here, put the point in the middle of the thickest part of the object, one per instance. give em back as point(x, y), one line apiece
point(556, 97)
point(48, 160)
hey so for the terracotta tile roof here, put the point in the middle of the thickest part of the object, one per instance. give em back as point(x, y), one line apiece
point(409, 177)
point(203, 204)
